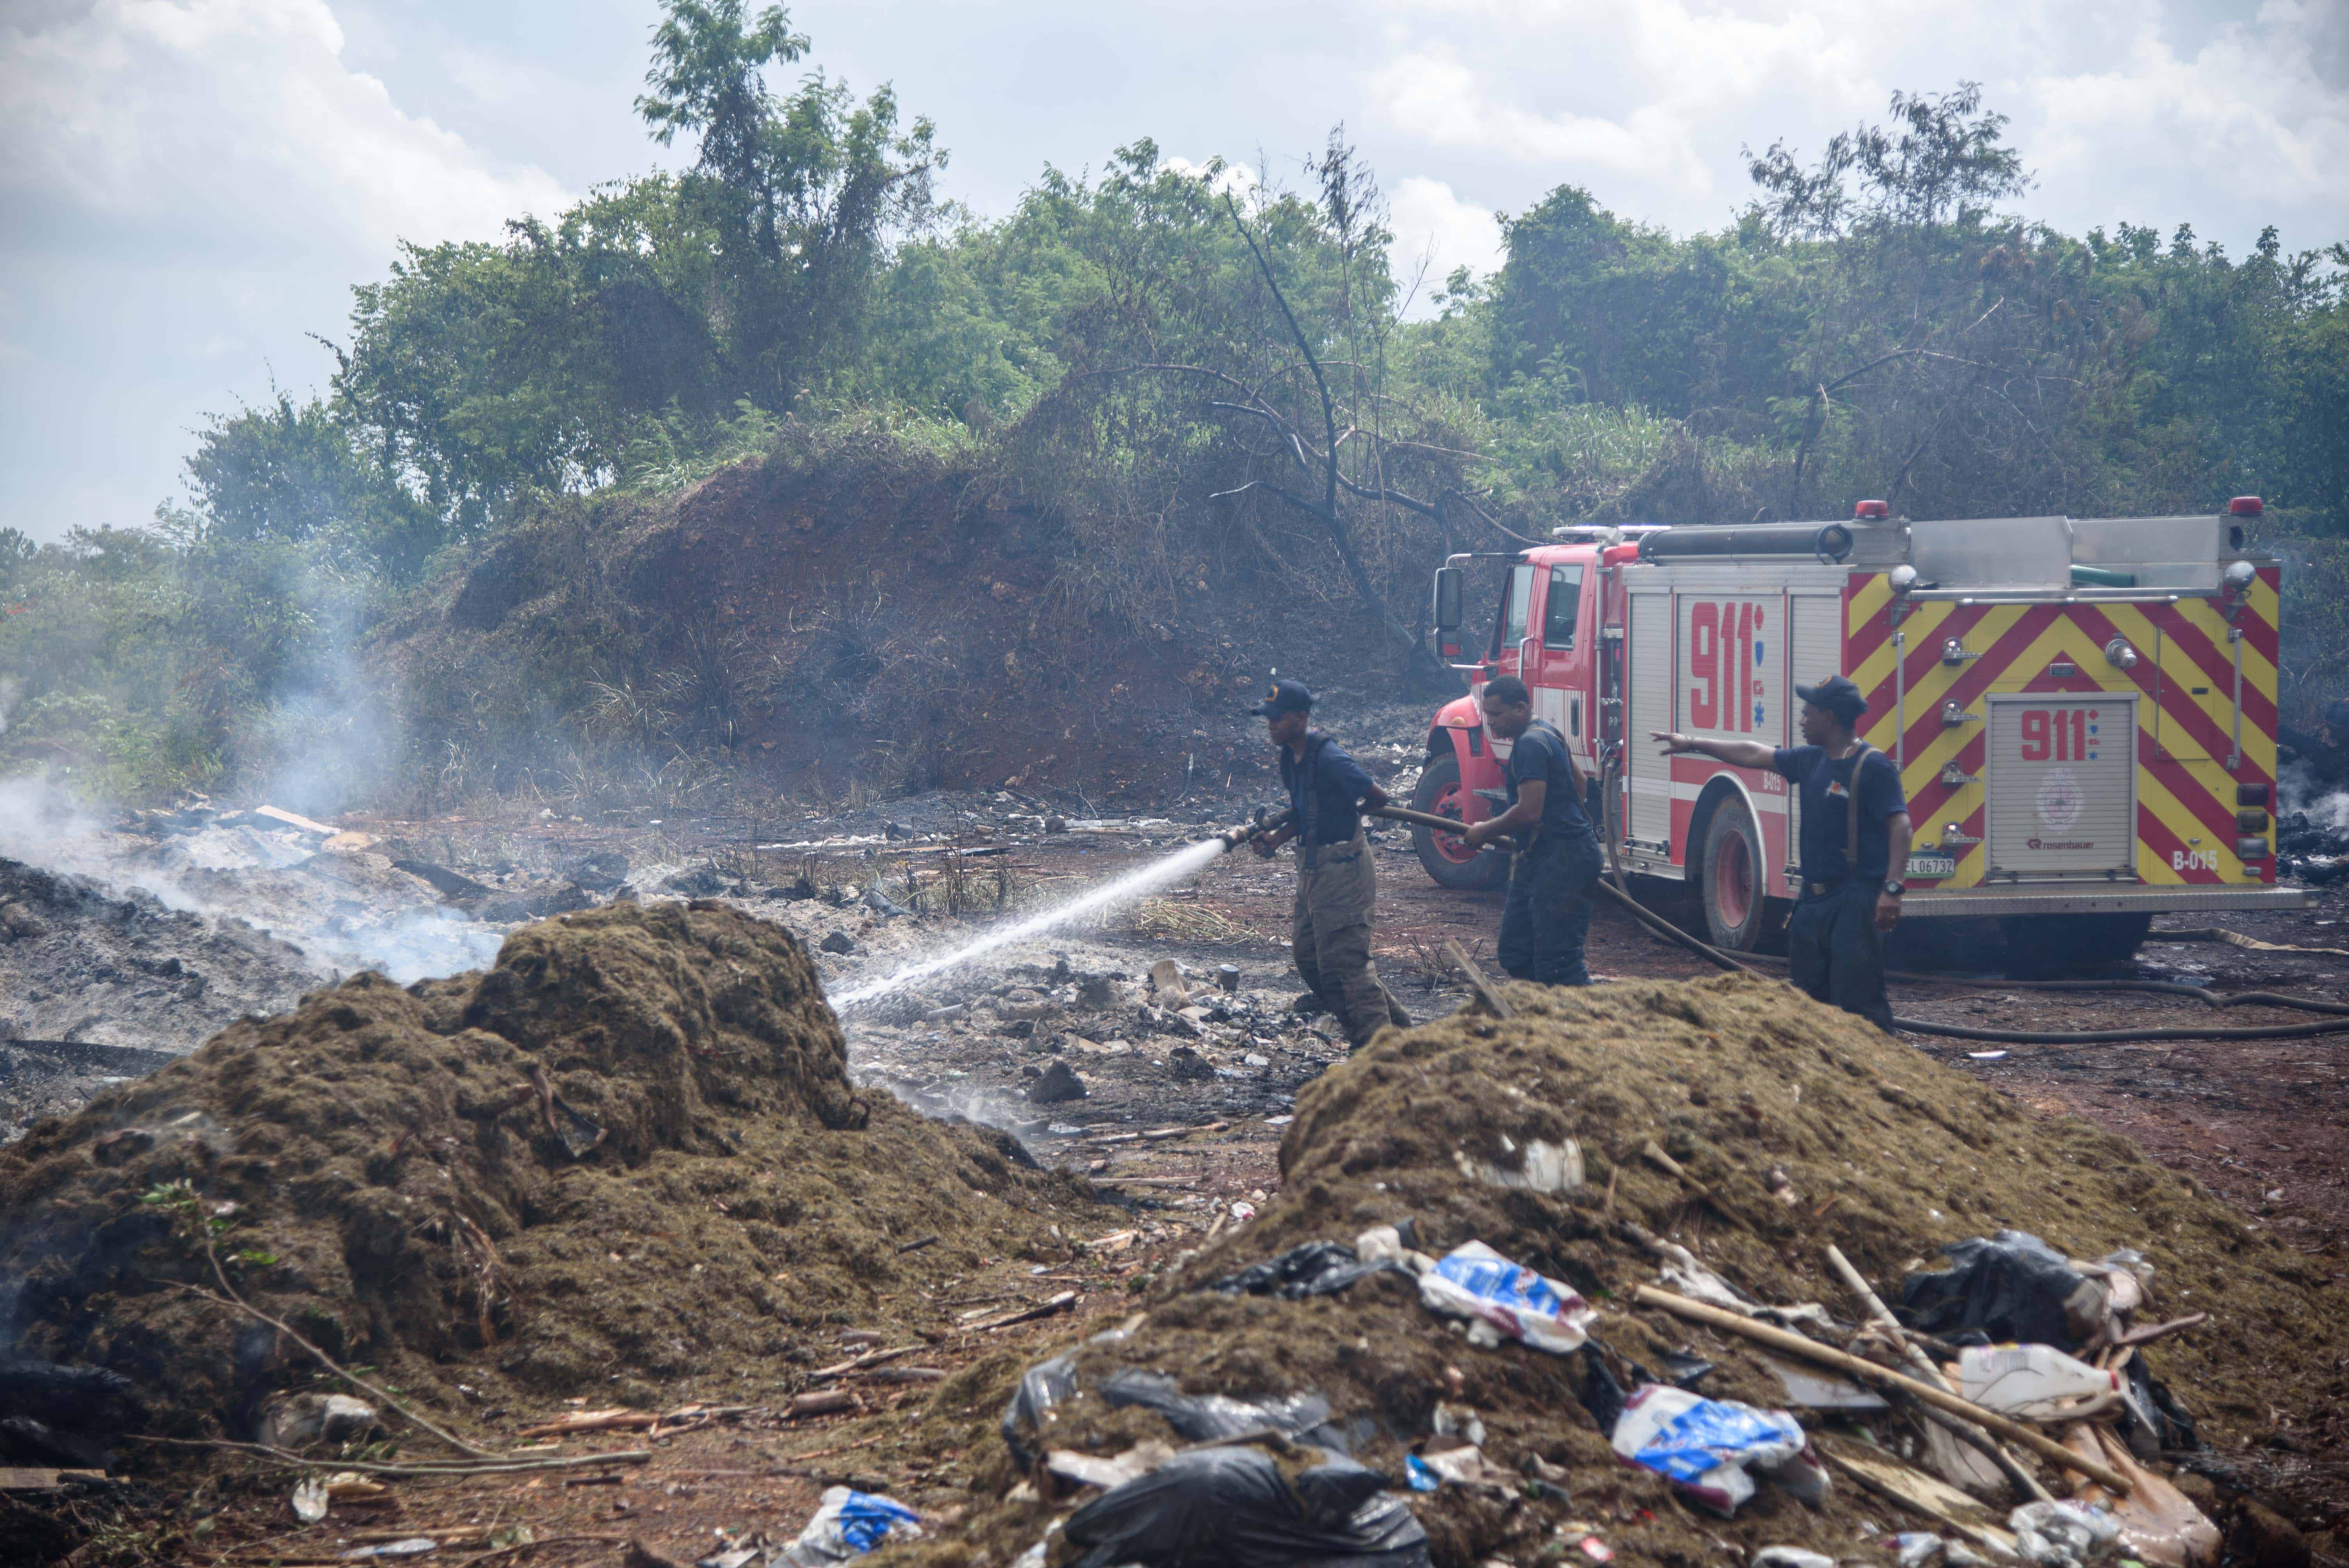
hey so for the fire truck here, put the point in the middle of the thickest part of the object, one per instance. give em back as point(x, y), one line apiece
point(2083, 711)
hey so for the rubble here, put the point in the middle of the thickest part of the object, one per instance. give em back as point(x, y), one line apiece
point(386, 1167)
point(1731, 1078)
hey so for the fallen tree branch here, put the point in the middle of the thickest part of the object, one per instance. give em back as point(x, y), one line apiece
point(239, 1303)
point(497, 1465)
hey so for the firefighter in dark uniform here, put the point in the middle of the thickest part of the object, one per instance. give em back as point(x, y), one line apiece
point(1336, 891)
point(1554, 884)
point(1855, 839)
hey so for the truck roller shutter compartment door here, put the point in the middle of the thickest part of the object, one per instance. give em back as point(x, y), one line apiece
point(2063, 785)
point(1650, 681)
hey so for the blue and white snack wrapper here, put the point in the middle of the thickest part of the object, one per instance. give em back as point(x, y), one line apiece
point(1474, 1281)
point(849, 1523)
point(1706, 1445)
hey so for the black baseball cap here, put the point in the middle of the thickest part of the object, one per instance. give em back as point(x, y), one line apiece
point(1286, 696)
point(1835, 693)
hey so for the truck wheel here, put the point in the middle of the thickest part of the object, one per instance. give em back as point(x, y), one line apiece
point(2050, 943)
point(1734, 907)
point(1446, 857)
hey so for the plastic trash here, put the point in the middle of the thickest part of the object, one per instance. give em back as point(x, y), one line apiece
point(1027, 1414)
point(1914, 1549)
point(1464, 1466)
point(849, 1523)
point(2027, 1379)
point(2008, 1286)
point(1219, 1417)
point(1707, 1445)
point(1789, 1557)
point(1476, 1283)
point(1317, 1268)
point(1231, 1508)
point(2063, 1534)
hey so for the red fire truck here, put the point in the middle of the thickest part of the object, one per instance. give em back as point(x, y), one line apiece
point(2083, 711)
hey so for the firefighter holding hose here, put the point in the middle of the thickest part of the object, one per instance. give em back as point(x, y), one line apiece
point(1336, 891)
point(1554, 884)
point(1854, 830)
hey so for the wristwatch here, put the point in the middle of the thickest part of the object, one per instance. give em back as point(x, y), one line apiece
point(1896, 887)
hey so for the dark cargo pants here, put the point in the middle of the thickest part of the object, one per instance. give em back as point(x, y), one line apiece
point(1330, 930)
point(1553, 891)
point(1835, 953)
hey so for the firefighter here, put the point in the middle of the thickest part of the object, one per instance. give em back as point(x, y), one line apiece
point(1554, 885)
point(1330, 923)
point(1835, 939)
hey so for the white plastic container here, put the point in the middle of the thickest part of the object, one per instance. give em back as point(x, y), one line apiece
point(2027, 1379)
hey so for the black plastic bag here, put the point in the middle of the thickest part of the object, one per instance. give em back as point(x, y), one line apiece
point(1230, 1506)
point(1042, 1386)
point(2009, 1286)
point(1317, 1268)
point(1219, 1417)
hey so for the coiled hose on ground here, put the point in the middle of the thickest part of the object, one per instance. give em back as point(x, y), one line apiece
point(1658, 925)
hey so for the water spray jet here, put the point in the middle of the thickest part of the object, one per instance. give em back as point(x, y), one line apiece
point(1180, 866)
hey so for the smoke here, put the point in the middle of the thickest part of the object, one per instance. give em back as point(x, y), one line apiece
point(2299, 789)
point(276, 883)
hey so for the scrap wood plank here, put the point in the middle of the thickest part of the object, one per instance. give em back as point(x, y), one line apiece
point(1486, 992)
point(1056, 1305)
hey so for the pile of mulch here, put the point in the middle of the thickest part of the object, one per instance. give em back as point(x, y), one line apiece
point(1807, 1128)
point(625, 1162)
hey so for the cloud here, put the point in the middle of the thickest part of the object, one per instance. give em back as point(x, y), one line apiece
point(221, 126)
point(1432, 225)
point(2229, 116)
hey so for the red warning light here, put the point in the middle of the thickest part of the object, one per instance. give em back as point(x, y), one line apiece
point(2246, 506)
point(1872, 511)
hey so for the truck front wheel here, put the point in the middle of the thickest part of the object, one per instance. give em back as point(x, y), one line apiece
point(1445, 857)
point(1735, 911)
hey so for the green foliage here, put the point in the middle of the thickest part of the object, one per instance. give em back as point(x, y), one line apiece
point(1113, 356)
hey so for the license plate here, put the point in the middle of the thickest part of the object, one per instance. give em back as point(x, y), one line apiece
point(1932, 865)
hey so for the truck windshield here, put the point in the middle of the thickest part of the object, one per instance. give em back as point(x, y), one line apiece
point(1516, 593)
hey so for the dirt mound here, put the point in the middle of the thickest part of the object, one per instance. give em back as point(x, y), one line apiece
point(1874, 1149)
point(630, 1154)
point(865, 609)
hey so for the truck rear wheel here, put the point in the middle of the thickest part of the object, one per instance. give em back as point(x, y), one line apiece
point(1736, 910)
point(1446, 857)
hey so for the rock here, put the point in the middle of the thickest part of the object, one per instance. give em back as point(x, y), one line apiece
point(505, 911)
point(2270, 1539)
point(1025, 1005)
point(1057, 1083)
point(122, 1146)
point(1017, 1029)
point(18, 921)
point(1188, 1065)
point(598, 872)
point(838, 942)
point(297, 1420)
point(1056, 824)
point(1167, 979)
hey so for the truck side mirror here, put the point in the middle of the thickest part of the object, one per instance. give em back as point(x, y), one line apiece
point(1447, 617)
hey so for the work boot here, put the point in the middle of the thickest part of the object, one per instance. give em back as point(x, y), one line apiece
point(1308, 1006)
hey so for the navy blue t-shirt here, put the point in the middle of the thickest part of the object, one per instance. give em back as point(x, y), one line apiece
point(1336, 782)
point(1827, 788)
point(1539, 757)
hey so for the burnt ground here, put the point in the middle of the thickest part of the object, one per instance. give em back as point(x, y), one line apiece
point(2258, 1122)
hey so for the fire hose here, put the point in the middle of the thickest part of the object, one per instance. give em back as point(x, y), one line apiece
point(1659, 926)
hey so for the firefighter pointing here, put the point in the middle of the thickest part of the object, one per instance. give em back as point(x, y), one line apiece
point(1336, 888)
point(1855, 829)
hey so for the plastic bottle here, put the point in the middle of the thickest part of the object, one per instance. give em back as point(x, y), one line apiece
point(2027, 1379)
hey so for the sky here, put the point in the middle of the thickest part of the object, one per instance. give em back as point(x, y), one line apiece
point(189, 188)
